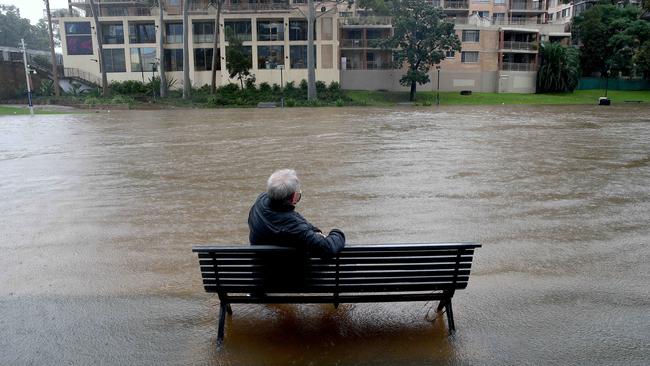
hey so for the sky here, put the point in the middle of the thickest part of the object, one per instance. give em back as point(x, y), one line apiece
point(33, 9)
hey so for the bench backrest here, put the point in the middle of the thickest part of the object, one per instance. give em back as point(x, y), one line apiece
point(356, 269)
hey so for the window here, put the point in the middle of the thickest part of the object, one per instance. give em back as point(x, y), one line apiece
point(298, 30)
point(174, 59)
point(326, 28)
point(203, 32)
point(298, 57)
point(469, 56)
point(241, 29)
point(203, 59)
point(270, 30)
point(565, 13)
point(450, 54)
point(471, 35)
point(482, 14)
point(142, 33)
point(499, 18)
point(113, 33)
point(499, 2)
point(114, 59)
point(326, 56)
point(144, 57)
point(174, 33)
point(78, 38)
point(269, 57)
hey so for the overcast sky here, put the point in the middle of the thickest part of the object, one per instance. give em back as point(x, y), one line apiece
point(33, 9)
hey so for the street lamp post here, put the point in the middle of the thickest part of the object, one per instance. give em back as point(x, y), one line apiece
point(438, 79)
point(281, 67)
point(27, 78)
point(153, 76)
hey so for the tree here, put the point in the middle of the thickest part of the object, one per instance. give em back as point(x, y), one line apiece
point(421, 37)
point(187, 86)
point(161, 50)
point(560, 68)
point(610, 36)
point(238, 61)
point(102, 64)
point(642, 59)
point(215, 47)
point(13, 28)
point(55, 69)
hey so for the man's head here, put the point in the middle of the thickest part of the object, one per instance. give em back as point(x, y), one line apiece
point(284, 186)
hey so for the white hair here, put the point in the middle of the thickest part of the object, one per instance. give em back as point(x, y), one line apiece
point(282, 184)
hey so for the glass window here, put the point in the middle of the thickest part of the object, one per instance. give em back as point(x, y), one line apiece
point(143, 57)
point(174, 33)
point(270, 30)
point(471, 35)
point(142, 33)
point(500, 2)
point(450, 54)
point(298, 57)
point(174, 59)
point(326, 28)
point(203, 59)
point(297, 30)
point(499, 18)
point(114, 59)
point(79, 41)
point(469, 56)
point(241, 29)
point(113, 33)
point(203, 32)
point(269, 57)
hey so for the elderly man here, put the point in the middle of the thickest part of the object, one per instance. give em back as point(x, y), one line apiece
point(273, 220)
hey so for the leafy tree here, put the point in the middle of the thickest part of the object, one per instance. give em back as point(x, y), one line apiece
point(642, 59)
point(13, 28)
point(421, 37)
point(238, 61)
point(610, 36)
point(560, 69)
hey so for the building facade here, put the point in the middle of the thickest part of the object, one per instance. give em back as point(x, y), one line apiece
point(500, 41)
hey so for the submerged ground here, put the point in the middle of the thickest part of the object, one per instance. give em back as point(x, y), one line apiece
point(100, 212)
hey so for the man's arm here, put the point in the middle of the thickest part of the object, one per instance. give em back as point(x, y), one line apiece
point(318, 243)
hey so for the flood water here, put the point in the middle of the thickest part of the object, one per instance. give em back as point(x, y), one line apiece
point(100, 211)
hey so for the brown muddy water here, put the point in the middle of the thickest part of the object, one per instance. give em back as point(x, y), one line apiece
point(100, 211)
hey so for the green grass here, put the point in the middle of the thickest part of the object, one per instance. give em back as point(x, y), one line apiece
point(10, 111)
point(376, 98)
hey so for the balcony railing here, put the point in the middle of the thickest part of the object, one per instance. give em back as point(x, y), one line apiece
point(373, 20)
point(246, 6)
point(82, 75)
point(518, 66)
point(455, 4)
point(516, 45)
point(370, 65)
point(359, 43)
point(487, 21)
point(521, 5)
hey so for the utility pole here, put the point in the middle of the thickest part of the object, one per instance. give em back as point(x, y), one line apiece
point(29, 88)
point(311, 65)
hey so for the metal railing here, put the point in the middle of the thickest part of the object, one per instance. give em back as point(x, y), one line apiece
point(73, 73)
point(455, 4)
point(516, 45)
point(372, 20)
point(359, 43)
point(522, 5)
point(246, 6)
point(518, 66)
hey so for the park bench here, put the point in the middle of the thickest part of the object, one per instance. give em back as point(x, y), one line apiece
point(358, 274)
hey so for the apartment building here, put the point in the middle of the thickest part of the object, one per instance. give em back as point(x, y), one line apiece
point(500, 41)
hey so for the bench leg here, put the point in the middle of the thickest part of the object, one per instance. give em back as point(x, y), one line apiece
point(450, 317)
point(223, 308)
point(229, 309)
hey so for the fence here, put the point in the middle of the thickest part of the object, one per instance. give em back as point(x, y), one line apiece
point(613, 84)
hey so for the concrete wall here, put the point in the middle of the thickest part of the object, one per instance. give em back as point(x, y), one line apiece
point(517, 82)
point(475, 81)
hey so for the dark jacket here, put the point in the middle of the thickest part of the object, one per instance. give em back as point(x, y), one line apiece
point(273, 223)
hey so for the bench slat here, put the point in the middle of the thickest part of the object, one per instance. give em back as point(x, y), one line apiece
point(344, 281)
point(242, 248)
point(341, 289)
point(350, 267)
point(251, 253)
point(332, 274)
point(379, 260)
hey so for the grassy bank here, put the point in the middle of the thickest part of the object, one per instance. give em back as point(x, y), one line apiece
point(10, 111)
point(377, 98)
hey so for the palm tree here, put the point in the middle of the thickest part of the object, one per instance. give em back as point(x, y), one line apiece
point(98, 32)
point(161, 51)
point(186, 52)
point(215, 45)
point(560, 70)
point(55, 69)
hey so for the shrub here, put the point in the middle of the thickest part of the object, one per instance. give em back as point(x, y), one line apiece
point(46, 88)
point(303, 85)
point(276, 88)
point(92, 101)
point(426, 103)
point(129, 87)
point(334, 87)
point(265, 87)
point(321, 87)
point(122, 99)
point(250, 82)
point(289, 102)
point(340, 102)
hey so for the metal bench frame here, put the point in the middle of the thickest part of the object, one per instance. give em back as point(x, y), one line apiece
point(358, 274)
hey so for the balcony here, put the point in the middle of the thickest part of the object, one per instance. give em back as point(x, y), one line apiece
point(255, 7)
point(526, 7)
point(516, 66)
point(456, 5)
point(359, 43)
point(365, 22)
point(520, 46)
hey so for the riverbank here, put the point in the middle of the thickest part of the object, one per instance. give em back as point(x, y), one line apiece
point(352, 98)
